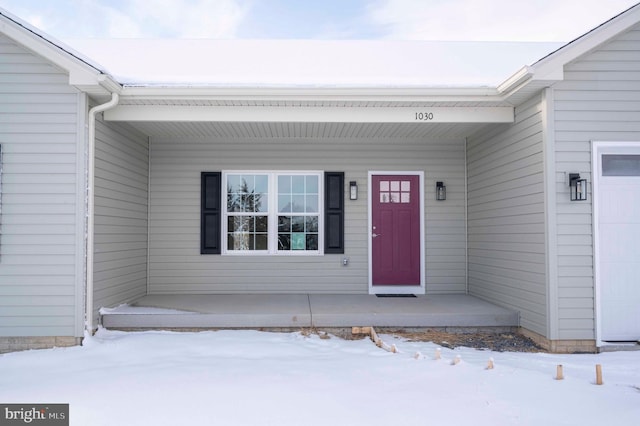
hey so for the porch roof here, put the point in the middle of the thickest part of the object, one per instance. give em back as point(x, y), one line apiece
point(311, 63)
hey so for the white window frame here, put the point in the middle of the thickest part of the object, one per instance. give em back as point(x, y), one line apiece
point(272, 214)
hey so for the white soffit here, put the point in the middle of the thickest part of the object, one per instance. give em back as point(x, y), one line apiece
point(370, 132)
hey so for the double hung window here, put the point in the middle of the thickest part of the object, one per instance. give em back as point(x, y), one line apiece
point(273, 212)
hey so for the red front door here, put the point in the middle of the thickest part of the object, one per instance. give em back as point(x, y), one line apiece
point(395, 233)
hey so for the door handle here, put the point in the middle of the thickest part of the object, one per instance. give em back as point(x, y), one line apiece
point(375, 235)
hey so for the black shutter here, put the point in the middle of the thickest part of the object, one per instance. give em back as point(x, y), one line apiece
point(334, 212)
point(210, 214)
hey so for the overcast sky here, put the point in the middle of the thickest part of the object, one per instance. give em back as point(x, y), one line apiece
point(486, 20)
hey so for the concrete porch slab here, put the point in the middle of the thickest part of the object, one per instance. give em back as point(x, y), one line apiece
point(421, 311)
point(213, 311)
point(307, 310)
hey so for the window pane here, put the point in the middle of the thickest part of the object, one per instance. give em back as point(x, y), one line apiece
point(621, 165)
point(297, 223)
point(384, 185)
point(284, 184)
point(297, 184)
point(262, 184)
point(261, 224)
point(297, 203)
point(233, 202)
point(239, 224)
point(240, 241)
point(233, 183)
point(284, 203)
point(298, 241)
point(261, 203)
point(312, 241)
point(312, 224)
point(251, 202)
point(284, 242)
point(312, 184)
point(312, 204)
point(261, 242)
point(284, 224)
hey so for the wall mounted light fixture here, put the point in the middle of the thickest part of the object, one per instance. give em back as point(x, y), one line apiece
point(353, 190)
point(577, 187)
point(441, 191)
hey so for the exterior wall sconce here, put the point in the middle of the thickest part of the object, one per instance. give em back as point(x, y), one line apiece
point(577, 187)
point(353, 190)
point(441, 191)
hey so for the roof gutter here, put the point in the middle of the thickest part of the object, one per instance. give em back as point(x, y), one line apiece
point(91, 174)
point(516, 81)
point(337, 93)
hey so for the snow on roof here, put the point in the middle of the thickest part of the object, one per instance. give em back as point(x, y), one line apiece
point(310, 63)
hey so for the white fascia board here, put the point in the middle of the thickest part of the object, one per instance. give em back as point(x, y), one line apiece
point(178, 113)
point(390, 94)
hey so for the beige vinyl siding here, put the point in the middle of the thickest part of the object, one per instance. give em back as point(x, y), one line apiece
point(506, 227)
point(176, 265)
point(41, 220)
point(599, 100)
point(121, 198)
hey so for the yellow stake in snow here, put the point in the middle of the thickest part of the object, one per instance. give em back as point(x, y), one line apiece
point(559, 373)
point(598, 374)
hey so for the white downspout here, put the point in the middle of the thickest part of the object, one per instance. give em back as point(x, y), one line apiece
point(91, 176)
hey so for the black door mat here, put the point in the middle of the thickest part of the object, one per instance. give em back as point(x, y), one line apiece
point(396, 295)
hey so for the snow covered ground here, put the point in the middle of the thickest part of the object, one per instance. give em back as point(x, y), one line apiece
point(257, 378)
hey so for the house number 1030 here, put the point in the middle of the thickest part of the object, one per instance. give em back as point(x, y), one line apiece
point(424, 116)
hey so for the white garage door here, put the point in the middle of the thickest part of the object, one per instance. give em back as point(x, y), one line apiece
point(618, 239)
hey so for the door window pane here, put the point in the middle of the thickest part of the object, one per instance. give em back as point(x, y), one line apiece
point(395, 191)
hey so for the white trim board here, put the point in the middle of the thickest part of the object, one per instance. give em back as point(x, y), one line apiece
point(181, 113)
